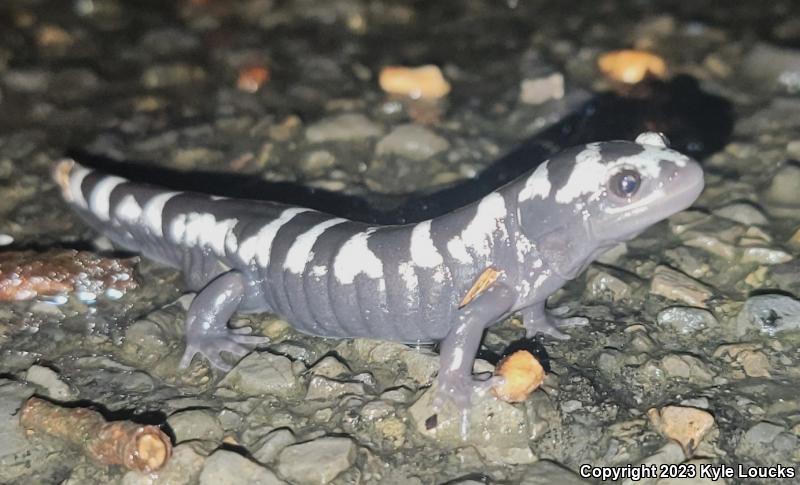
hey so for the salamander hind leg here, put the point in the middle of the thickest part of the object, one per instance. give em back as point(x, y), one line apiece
point(537, 319)
point(207, 331)
point(455, 381)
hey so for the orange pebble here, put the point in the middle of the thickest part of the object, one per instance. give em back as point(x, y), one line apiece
point(631, 66)
point(252, 78)
point(522, 374)
point(414, 82)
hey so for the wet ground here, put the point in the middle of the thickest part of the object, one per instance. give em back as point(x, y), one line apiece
point(693, 349)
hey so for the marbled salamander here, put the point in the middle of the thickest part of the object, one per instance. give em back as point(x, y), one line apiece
point(334, 277)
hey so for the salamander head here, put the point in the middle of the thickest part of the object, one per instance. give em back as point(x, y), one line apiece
point(611, 191)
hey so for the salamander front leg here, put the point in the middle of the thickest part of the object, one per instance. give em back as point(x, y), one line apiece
point(457, 353)
point(537, 319)
point(207, 331)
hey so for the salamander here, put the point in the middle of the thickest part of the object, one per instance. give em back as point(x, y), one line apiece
point(334, 277)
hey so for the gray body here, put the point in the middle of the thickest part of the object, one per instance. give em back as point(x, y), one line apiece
point(338, 278)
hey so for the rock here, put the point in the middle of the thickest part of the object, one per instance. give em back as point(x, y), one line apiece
point(754, 363)
point(18, 457)
point(781, 194)
point(183, 468)
point(51, 381)
point(686, 320)
point(498, 430)
point(321, 387)
point(228, 468)
point(712, 245)
point(547, 472)
point(343, 127)
point(765, 256)
point(262, 373)
point(173, 75)
point(688, 426)
point(686, 367)
point(769, 314)
point(675, 285)
point(412, 141)
point(743, 213)
point(768, 443)
point(671, 453)
point(611, 256)
point(318, 461)
point(268, 447)
point(539, 90)
point(776, 67)
point(603, 285)
point(317, 162)
point(195, 424)
point(329, 366)
point(415, 82)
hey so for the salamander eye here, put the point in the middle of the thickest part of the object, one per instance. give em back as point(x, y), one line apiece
point(625, 183)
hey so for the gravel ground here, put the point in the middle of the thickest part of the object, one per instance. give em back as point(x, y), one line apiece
point(692, 353)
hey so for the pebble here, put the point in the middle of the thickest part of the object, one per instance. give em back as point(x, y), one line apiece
point(686, 320)
point(686, 367)
point(262, 373)
point(711, 245)
point(321, 387)
point(768, 443)
point(546, 472)
point(195, 424)
point(331, 367)
point(268, 447)
point(675, 285)
point(765, 256)
point(228, 468)
point(743, 213)
point(51, 381)
point(605, 286)
point(415, 82)
point(343, 127)
point(6, 239)
point(183, 468)
point(162, 76)
point(769, 314)
point(775, 67)
point(412, 141)
point(317, 162)
point(539, 90)
point(498, 430)
point(318, 461)
point(782, 190)
point(686, 425)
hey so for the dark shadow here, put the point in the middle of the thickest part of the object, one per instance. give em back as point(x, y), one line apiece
point(697, 123)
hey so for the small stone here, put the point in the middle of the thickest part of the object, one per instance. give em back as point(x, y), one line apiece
point(773, 67)
point(415, 82)
point(318, 461)
point(675, 285)
point(712, 245)
point(540, 90)
point(611, 256)
point(605, 286)
point(794, 241)
point(195, 424)
point(228, 468)
point(765, 256)
point(317, 162)
point(742, 212)
point(329, 366)
point(262, 373)
point(769, 314)
point(686, 367)
point(162, 76)
point(321, 387)
point(768, 443)
point(183, 468)
point(686, 320)
point(754, 363)
point(412, 141)
point(51, 381)
point(547, 472)
point(343, 127)
point(782, 191)
point(268, 447)
point(688, 426)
